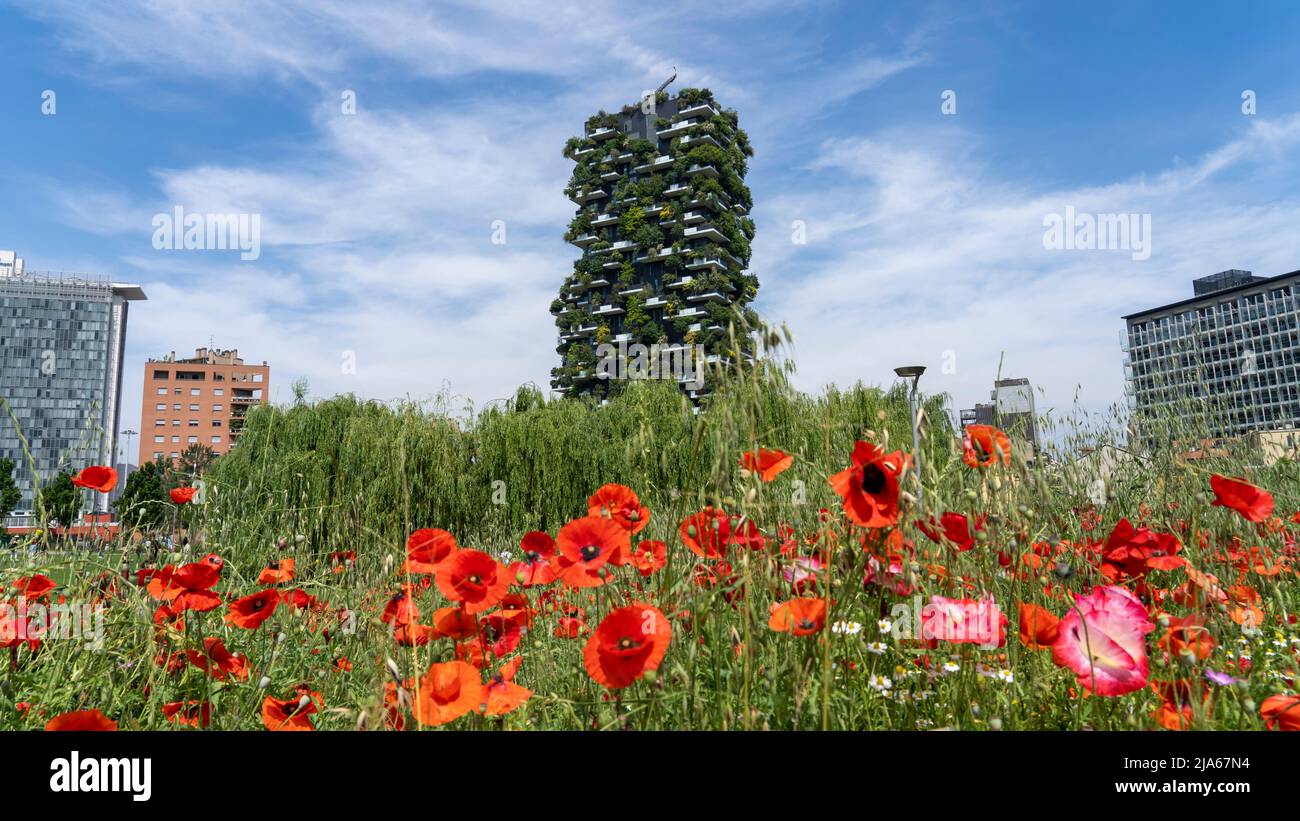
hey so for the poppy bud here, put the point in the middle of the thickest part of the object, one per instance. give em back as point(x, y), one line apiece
point(303, 702)
point(995, 723)
point(263, 683)
point(1063, 571)
point(690, 531)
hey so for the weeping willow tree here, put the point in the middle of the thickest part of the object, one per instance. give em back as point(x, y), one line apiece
point(342, 472)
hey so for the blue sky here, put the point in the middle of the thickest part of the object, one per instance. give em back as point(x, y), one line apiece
point(924, 230)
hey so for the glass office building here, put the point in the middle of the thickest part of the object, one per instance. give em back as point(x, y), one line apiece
point(61, 348)
point(1228, 356)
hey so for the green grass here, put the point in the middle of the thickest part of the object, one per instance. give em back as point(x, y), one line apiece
point(344, 474)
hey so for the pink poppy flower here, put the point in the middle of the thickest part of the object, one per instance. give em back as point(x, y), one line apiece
point(965, 621)
point(1102, 639)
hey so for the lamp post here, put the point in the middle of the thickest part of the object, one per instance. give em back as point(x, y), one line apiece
point(914, 372)
point(126, 457)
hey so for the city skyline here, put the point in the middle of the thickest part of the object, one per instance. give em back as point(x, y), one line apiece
point(922, 232)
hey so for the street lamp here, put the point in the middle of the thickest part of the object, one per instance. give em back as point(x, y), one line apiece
point(126, 457)
point(914, 372)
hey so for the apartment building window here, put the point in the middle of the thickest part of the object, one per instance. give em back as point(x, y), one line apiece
point(216, 440)
point(162, 391)
point(194, 423)
point(194, 406)
point(216, 408)
point(162, 375)
point(161, 406)
point(216, 423)
point(194, 391)
point(176, 440)
point(218, 391)
point(176, 454)
point(157, 454)
point(158, 423)
point(158, 440)
point(193, 440)
point(176, 406)
point(177, 391)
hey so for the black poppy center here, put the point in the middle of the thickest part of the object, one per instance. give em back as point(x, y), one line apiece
point(475, 579)
point(626, 643)
point(807, 625)
point(873, 479)
point(533, 556)
point(590, 552)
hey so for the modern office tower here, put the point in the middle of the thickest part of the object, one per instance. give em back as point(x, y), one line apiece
point(199, 400)
point(10, 264)
point(62, 339)
point(1224, 361)
point(665, 235)
point(1012, 410)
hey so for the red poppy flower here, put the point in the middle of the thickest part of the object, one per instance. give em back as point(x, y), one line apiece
point(1038, 627)
point(799, 617)
point(81, 721)
point(413, 635)
point(1187, 633)
point(501, 694)
point(620, 504)
point(250, 611)
point(288, 715)
point(1254, 504)
point(191, 713)
point(401, 608)
point(569, 627)
point(34, 587)
point(1132, 552)
point(447, 691)
point(218, 662)
point(707, 533)
point(427, 549)
point(984, 446)
point(453, 623)
point(277, 572)
point(183, 495)
point(768, 464)
point(1281, 713)
point(189, 586)
point(536, 568)
point(650, 556)
point(499, 633)
point(627, 644)
point(955, 528)
point(97, 477)
point(474, 579)
point(586, 545)
point(870, 487)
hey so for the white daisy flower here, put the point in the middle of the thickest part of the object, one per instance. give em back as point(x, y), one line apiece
point(848, 628)
point(951, 666)
point(885, 625)
point(877, 647)
point(880, 683)
point(1007, 676)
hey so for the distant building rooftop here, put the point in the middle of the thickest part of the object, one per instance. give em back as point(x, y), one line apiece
point(1215, 286)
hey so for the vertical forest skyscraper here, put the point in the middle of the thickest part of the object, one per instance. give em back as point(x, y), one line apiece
point(663, 224)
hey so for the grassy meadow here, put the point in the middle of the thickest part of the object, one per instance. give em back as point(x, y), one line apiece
point(339, 485)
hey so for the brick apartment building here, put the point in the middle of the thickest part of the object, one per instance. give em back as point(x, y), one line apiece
point(200, 400)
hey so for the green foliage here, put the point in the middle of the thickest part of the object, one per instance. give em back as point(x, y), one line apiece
point(61, 500)
point(10, 495)
point(143, 505)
